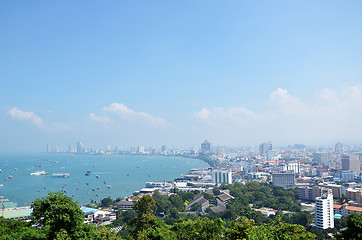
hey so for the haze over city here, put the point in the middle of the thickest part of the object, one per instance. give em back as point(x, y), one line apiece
point(164, 72)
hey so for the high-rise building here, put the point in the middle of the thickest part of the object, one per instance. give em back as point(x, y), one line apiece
point(264, 147)
point(351, 162)
point(141, 149)
point(80, 147)
point(163, 148)
point(309, 193)
point(222, 176)
point(338, 148)
point(290, 166)
point(206, 147)
point(322, 157)
point(347, 175)
point(286, 179)
point(323, 213)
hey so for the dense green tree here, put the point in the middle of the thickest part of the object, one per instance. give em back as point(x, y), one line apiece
point(177, 202)
point(126, 216)
point(354, 227)
point(244, 228)
point(200, 229)
point(14, 229)
point(106, 202)
point(58, 212)
point(302, 218)
point(62, 218)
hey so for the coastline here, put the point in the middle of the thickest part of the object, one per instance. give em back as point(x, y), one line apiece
point(24, 189)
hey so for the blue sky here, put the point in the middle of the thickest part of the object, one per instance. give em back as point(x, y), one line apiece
point(176, 72)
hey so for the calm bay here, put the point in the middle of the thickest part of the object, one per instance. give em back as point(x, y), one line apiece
point(111, 175)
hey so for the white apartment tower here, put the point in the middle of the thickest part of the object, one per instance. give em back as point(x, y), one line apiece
point(222, 176)
point(323, 213)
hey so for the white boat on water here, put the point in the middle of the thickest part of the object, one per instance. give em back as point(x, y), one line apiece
point(38, 173)
point(60, 175)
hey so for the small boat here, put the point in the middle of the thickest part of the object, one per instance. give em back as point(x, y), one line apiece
point(65, 191)
point(105, 182)
point(96, 195)
point(77, 188)
point(11, 177)
point(1, 170)
point(88, 173)
point(109, 186)
point(87, 183)
point(127, 174)
point(45, 187)
point(97, 187)
point(6, 179)
point(38, 173)
point(93, 189)
point(15, 169)
point(60, 175)
point(1, 185)
point(97, 176)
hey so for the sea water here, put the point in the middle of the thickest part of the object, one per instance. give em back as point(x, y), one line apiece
point(118, 175)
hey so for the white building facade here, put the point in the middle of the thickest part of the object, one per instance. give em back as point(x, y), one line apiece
point(323, 213)
point(222, 176)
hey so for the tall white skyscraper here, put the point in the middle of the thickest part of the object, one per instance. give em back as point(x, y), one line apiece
point(323, 213)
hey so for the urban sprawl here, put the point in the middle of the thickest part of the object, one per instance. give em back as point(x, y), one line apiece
point(322, 176)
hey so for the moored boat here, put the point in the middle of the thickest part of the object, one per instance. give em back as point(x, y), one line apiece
point(60, 175)
point(38, 173)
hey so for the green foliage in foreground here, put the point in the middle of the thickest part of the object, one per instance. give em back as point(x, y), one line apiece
point(58, 217)
point(147, 226)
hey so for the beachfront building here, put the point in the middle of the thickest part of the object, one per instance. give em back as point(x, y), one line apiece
point(222, 176)
point(323, 213)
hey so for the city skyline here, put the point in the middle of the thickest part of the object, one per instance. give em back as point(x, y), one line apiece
point(167, 73)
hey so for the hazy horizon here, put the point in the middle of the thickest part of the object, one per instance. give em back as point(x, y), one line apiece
point(152, 73)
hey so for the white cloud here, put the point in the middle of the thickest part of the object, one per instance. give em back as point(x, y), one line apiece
point(132, 116)
point(102, 119)
point(238, 115)
point(332, 115)
point(203, 114)
point(26, 116)
point(282, 101)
